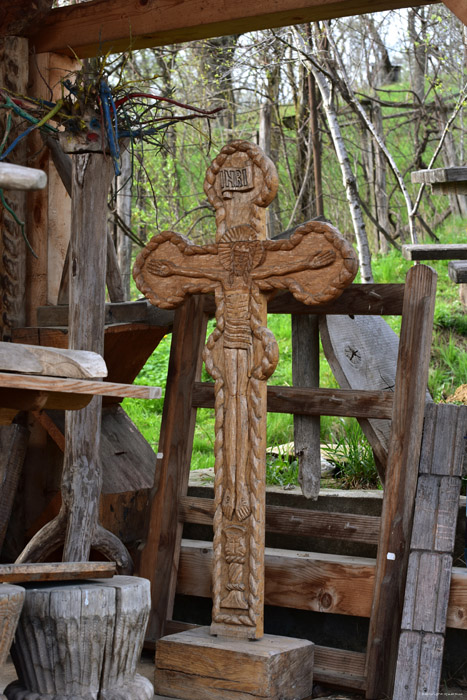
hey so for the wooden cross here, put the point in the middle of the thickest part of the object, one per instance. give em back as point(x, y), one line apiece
point(241, 269)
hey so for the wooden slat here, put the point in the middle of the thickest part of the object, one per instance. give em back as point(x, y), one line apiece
point(358, 299)
point(459, 8)
point(18, 177)
point(60, 571)
point(13, 444)
point(438, 175)
point(133, 24)
point(455, 251)
point(77, 386)
point(341, 526)
point(313, 402)
point(311, 581)
point(401, 478)
point(118, 312)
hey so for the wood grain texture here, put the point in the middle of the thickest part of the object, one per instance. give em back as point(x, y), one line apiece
point(314, 402)
point(305, 373)
point(311, 581)
point(82, 640)
point(362, 353)
point(19, 177)
point(427, 590)
point(115, 312)
point(11, 603)
point(195, 665)
point(358, 299)
point(13, 446)
point(440, 175)
point(401, 478)
point(60, 571)
point(77, 386)
point(354, 528)
point(133, 25)
point(30, 359)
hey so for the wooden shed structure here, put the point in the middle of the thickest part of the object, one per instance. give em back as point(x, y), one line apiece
point(35, 52)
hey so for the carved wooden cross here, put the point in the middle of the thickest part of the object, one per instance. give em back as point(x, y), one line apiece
point(242, 268)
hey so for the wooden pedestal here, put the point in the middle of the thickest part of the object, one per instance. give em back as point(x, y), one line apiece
point(194, 665)
point(81, 641)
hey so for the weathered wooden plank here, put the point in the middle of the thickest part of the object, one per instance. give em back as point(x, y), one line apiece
point(435, 517)
point(418, 676)
point(458, 8)
point(348, 526)
point(311, 581)
point(33, 359)
point(159, 557)
point(13, 445)
point(78, 386)
point(435, 251)
point(11, 602)
point(362, 353)
point(401, 478)
point(439, 175)
point(118, 312)
point(305, 373)
point(443, 440)
point(457, 271)
point(60, 571)
point(301, 580)
point(313, 402)
point(427, 592)
point(18, 177)
point(358, 299)
point(128, 24)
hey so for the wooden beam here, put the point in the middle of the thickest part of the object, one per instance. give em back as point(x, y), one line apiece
point(313, 402)
point(94, 28)
point(451, 251)
point(77, 386)
point(329, 583)
point(459, 8)
point(20, 573)
point(308, 523)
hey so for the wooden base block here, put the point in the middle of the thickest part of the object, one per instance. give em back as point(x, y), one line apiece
point(194, 665)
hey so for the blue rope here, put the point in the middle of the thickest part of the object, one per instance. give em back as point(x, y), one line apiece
point(14, 143)
point(112, 132)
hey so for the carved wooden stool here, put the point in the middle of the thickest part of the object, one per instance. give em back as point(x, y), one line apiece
point(11, 602)
point(81, 641)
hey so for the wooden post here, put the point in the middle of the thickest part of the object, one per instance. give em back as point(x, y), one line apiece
point(421, 643)
point(305, 373)
point(14, 76)
point(240, 268)
point(401, 479)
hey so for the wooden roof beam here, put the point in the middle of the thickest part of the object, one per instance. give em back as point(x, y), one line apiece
point(95, 27)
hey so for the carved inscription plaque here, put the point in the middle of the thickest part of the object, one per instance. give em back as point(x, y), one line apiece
point(315, 264)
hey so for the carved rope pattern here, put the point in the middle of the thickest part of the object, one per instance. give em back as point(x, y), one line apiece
point(12, 252)
point(266, 195)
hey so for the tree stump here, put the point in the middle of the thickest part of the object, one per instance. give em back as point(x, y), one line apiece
point(81, 641)
point(11, 602)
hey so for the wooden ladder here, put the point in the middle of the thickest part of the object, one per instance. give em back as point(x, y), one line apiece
point(163, 555)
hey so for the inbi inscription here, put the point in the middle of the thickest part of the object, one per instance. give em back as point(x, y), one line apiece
point(237, 179)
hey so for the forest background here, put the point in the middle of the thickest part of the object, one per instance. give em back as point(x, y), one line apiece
point(347, 110)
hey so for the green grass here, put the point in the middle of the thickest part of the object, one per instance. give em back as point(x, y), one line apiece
point(354, 459)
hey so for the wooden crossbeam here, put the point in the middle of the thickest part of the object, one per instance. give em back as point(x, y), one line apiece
point(349, 526)
point(313, 402)
point(77, 386)
point(94, 28)
point(60, 571)
point(311, 581)
point(451, 251)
